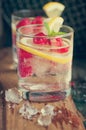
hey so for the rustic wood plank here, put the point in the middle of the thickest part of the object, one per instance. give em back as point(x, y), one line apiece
point(15, 121)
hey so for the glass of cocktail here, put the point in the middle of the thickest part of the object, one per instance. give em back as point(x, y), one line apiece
point(44, 61)
point(21, 18)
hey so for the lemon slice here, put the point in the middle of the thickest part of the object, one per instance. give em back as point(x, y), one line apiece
point(54, 58)
point(53, 9)
point(55, 23)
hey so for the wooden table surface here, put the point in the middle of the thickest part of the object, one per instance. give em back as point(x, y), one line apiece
point(12, 120)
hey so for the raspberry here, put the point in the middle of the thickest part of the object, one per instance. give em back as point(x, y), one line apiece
point(23, 54)
point(41, 39)
point(61, 47)
point(59, 42)
point(24, 70)
point(24, 63)
point(37, 20)
point(63, 50)
point(23, 22)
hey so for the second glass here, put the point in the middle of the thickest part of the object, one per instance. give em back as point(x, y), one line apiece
point(16, 17)
point(44, 66)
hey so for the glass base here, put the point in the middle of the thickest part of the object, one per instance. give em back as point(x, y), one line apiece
point(45, 96)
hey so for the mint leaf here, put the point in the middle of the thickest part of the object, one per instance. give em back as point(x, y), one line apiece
point(56, 33)
point(52, 33)
point(47, 27)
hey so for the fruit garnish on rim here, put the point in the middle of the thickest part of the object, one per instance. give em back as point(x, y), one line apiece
point(53, 9)
point(53, 26)
point(53, 29)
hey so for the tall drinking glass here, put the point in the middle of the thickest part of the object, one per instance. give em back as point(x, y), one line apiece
point(44, 63)
point(16, 17)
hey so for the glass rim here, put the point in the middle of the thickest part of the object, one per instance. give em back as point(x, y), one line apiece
point(15, 13)
point(33, 25)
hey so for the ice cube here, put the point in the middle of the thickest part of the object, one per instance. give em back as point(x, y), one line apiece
point(12, 95)
point(28, 111)
point(40, 66)
point(44, 120)
point(48, 110)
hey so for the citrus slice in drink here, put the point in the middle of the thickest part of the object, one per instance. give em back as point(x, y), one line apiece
point(53, 9)
point(48, 56)
point(55, 23)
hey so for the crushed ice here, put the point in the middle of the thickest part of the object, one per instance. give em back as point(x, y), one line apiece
point(28, 111)
point(48, 110)
point(44, 120)
point(46, 115)
point(40, 63)
point(13, 96)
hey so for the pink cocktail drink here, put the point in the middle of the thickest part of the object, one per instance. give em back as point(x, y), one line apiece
point(44, 66)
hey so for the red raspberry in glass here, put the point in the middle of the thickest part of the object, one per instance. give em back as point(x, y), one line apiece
point(24, 64)
point(24, 70)
point(59, 42)
point(37, 20)
point(63, 47)
point(23, 54)
point(41, 39)
point(63, 50)
point(23, 22)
